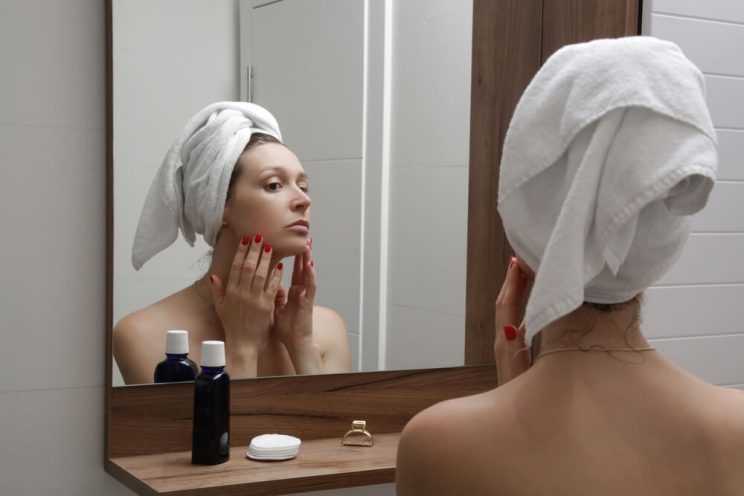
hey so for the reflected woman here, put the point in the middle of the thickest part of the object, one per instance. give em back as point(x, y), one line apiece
point(229, 178)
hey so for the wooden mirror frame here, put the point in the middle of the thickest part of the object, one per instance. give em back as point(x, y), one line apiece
point(148, 428)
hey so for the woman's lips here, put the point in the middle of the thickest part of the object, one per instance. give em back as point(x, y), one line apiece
point(300, 228)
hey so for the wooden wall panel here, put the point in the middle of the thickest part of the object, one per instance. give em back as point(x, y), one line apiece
point(506, 54)
point(575, 21)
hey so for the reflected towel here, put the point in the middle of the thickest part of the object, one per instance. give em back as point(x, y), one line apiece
point(190, 189)
point(610, 150)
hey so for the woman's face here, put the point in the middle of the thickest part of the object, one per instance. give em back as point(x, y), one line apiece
point(270, 197)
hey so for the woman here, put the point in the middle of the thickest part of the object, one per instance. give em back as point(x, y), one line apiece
point(229, 178)
point(609, 152)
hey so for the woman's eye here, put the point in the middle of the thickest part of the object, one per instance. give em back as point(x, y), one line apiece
point(304, 187)
point(274, 186)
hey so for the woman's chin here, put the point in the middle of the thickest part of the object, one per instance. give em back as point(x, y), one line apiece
point(290, 248)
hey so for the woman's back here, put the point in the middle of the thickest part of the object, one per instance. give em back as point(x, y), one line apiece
point(583, 425)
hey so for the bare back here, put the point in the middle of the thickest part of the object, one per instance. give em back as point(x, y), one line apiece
point(139, 338)
point(651, 430)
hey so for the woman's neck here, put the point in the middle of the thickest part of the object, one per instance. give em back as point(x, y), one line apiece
point(588, 328)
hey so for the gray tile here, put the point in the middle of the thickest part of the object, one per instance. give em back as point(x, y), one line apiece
point(428, 238)
point(52, 201)
point(53, 59)
point(420, 338)
point(53, 444)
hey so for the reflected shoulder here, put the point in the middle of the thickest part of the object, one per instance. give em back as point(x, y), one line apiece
point(331, 336)
point(134, 347)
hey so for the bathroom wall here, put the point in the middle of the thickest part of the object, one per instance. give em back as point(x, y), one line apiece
point(428, 208)
point(695, 312)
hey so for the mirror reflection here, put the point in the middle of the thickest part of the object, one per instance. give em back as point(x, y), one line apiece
point(372, 112)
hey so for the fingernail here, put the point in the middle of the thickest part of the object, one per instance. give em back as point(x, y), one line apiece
point(267, 247)
point(245, 240)
point(510, 332)
point(279, 266)
point(257, 238)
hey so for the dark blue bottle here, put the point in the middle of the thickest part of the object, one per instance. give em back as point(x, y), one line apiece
point(177, 366)
point(211, 434)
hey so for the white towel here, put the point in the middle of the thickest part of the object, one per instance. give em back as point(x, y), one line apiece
point(190, 189)
point(610, 150)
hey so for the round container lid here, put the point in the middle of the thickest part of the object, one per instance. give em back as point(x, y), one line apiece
point(177, 342)
point(213, 354)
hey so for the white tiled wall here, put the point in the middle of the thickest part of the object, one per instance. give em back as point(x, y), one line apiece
point(428, 183)
point(52, 208)
point(695, 312)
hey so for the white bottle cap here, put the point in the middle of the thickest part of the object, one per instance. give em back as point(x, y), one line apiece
point(213, 354)
point(177, 342)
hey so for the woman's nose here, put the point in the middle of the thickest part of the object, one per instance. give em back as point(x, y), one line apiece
point(301, 201)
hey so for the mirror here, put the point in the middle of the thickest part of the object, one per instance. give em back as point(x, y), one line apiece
point(380, 124)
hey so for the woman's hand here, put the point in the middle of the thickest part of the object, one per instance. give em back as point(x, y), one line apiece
point(246, 305)
point(293, 316)
point(510, 350)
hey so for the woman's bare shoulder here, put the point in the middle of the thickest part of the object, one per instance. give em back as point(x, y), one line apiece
point(442, 449)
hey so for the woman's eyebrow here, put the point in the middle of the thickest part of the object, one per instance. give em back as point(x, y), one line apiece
point(282, 169)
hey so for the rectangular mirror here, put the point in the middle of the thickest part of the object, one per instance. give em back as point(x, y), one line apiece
point(410, 277)
point(374, 102)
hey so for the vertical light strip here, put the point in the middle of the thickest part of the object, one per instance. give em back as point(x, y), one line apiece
point(363, 199)
point(385, 186)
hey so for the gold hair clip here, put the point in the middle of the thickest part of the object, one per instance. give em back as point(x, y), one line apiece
point(358, 435)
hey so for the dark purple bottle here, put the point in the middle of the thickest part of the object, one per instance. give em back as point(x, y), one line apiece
point(177, 366)
point(211, 434)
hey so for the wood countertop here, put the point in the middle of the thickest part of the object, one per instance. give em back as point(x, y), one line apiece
point(321, 464)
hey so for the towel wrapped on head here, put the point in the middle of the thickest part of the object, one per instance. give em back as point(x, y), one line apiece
point(610, 150)
point(190, 189)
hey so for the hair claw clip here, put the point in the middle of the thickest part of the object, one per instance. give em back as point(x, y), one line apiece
point(358, 435)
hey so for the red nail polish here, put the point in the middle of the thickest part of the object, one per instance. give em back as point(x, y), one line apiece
point(267, 247)
point(257, 238)
point(510, 332)
point(279, 266)
point(245, 240)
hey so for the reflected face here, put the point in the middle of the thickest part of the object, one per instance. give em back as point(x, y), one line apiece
point(270, 197)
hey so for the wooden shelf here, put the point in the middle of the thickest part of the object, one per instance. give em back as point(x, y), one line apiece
point(321, 464)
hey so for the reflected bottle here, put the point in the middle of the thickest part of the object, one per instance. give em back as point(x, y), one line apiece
point(211, 434)
point(177, 366)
